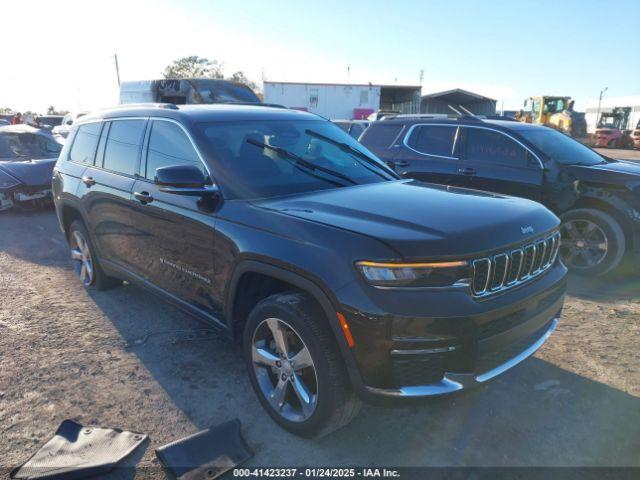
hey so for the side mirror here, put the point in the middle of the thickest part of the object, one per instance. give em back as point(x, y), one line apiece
point(183, 180)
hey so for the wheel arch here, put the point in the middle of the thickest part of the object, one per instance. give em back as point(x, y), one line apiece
point(69, 212)
point(612, 206)
point(235, 314)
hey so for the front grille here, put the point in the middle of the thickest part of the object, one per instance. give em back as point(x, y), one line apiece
point(506, 269)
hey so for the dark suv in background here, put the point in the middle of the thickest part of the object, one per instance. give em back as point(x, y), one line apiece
point(597, 198)
point(342, 280)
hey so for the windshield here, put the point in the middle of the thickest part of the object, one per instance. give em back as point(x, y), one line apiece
point(27, 145)
point(259, 159)
point(559, 147)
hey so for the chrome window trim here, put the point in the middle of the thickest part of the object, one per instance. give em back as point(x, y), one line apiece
point(512, 138)
point(149, 118)
point(407, 135)
point(186, 132)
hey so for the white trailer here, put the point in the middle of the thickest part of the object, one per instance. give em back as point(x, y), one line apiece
point(343, 101)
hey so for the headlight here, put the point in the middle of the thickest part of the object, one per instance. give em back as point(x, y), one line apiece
point(433, 274)
point(7, 181)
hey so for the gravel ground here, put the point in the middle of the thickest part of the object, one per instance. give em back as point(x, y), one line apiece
point(64, 354)
point(620, 153)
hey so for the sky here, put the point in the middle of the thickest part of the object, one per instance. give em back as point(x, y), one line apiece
point(61, 53)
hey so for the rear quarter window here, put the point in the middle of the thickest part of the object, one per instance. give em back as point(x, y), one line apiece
point(379, 135)
point(433, 140)
point(85, 142)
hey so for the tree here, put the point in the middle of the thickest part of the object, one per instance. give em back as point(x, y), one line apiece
point(193, 67)
point(51, 110)
point(240, 77)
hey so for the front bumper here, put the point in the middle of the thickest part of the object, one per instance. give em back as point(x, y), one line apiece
point(454, 382)
point(423, 344)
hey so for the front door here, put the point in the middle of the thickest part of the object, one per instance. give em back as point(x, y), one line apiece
point(493, 161)
point(175, 240)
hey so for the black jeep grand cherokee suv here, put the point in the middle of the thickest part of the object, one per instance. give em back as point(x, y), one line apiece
point(342, 280)
point(597, 198)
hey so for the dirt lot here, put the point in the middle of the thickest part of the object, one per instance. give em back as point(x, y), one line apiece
point(64, 354)
point(619, 153)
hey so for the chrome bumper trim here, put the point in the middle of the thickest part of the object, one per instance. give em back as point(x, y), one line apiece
point(518, 358)
point(453, 382)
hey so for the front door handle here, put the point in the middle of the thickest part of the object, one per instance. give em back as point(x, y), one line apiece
point(467, 171)
point(402, 163)
point(88, 181)
point(143, 197)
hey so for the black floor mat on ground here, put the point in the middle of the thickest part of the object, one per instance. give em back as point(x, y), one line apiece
point(207, 454)
point(79, 452)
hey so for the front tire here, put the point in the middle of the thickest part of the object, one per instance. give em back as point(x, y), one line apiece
point(295, 367)
point(85, 260)
point(593, 242)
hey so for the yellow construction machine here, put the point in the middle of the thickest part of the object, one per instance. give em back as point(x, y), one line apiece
point(554, 112)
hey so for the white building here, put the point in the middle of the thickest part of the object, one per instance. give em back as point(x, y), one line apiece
point(607, 105)
point(343, 101)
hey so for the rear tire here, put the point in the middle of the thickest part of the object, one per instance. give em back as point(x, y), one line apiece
point(593, 242)
point(85, 260)
point(331, 401)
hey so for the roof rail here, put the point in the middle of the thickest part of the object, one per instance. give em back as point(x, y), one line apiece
point(418, 116)
point(171, 106)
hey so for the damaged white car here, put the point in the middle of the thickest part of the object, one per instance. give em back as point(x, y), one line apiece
point(27, 158)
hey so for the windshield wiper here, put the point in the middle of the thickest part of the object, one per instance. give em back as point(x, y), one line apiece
point(348, 148)
point(299, 161)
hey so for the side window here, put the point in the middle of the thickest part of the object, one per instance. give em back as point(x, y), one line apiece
point(356, 130)
point(380, 135)
point(85, 143)
point(123, 145)
point(343, 125)
point(487, 146)
point(434, 140)
point(168, 145)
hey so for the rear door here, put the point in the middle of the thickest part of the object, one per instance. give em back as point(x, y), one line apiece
point(430, 154)
point(175, 233)
point(106, 189)
point(494, 161)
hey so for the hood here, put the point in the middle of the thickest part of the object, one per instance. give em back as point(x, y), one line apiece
point(614, 172)
point(31, 172)
point(420, 220)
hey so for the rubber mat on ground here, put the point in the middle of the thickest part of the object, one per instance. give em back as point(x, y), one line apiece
point(77, 452)
point(207, 454)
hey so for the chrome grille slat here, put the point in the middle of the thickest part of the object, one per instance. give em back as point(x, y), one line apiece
point(504, 270)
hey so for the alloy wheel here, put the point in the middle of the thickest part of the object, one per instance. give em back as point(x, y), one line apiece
point(284, 370)
point(81, 257)
point(584, 244)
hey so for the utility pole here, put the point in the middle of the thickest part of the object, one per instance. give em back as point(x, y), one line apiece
point(602, 92)
point(115, 57)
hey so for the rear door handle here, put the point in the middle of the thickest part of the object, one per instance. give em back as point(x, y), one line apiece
point(143, 197)
point(88, 181)
point(402, 163)
point(467, 171)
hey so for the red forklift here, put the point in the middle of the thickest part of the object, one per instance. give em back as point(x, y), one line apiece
point(612, 131)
